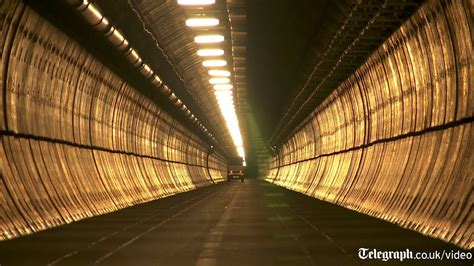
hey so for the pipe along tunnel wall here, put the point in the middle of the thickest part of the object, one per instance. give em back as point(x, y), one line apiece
point(395, 140)
point(78, 141)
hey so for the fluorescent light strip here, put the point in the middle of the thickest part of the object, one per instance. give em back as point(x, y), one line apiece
point(224, 98)
point(210, 52)
point(209, 38)
point(214, 63)
point(202, 22)
point(223, 87)
point(225, 103)
point(223, 93)
point(196, 2)
point(219, 80)
point(218, 73)
point(240, 151)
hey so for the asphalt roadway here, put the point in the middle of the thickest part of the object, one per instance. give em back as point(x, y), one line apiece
point(232, 223)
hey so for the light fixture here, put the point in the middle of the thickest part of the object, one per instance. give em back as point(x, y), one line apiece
point(227, 97)
point(226, 105)
point(202, 22)
point(219, 80)
point(223, 96)
point(220, 77)
point(196, 2)
point(227, 111)
point(240, 151)
point(210, 52)
point(214, 63)
point(223, 87)
point(219, 73)
point(225, 102)
point(209, 38)
point(219, 93)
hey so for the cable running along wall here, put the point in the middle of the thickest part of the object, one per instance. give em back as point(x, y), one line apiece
point(395, 139)
point(78, 141)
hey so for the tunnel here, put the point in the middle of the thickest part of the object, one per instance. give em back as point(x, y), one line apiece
point(350, 122)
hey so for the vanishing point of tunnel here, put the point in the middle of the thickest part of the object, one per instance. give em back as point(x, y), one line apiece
point(236, 132)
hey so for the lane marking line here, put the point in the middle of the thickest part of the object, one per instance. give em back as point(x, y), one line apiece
point(334, 243)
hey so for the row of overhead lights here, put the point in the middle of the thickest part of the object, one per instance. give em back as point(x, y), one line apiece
point(210, 49)
point(91, 14)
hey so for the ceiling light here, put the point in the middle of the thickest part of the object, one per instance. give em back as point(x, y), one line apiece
point(214, 63)
point(227, 112)
point(210, 52)
point(226, 104)
point(224, 101)
point(219, 93)
point(219, 80)
point(240, 151)
point(223, 96)
point(227, 107)
point(220, 73)
point(202, 22)
point(196, 2)
point(208, 38)
point(223, 87)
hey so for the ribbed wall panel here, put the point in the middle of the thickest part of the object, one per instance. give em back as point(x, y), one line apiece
point(395, 140)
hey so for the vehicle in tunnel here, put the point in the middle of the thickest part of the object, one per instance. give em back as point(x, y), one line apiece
point(235, 169)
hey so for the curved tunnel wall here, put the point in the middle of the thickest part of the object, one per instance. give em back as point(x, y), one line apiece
point(78, 141)
point(395, 140)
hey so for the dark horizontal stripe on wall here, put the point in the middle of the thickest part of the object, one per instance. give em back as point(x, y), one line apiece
point(452, 124)
point(90, 147)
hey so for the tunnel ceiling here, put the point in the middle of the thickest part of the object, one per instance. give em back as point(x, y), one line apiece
point(158, 32)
